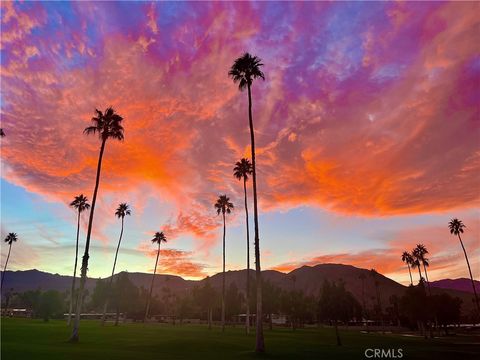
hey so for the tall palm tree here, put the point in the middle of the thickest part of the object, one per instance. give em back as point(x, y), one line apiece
point(407, 258)
point(80, 204)
point(107, 125)
point(244, 70)
point(241, 171)
point(224, 206)
point(120, 213)
point(157, 239)
point(419, 252)
point(456, 228)
point(10, 239)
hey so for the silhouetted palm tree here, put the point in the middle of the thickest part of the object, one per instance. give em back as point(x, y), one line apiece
point(407, 258)
point(456, 228)
point(107, 125)
point(223, 206)
point(80, 203)
point(121, 212)
point(419, 252)
point(157, 239)
point(2, 133)
point(416, 263)
point(244, 70)
point(10, 239)
point(241, 171)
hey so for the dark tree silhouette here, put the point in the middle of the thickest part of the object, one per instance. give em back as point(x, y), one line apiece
point(122, 211)
point(157, 239)
point(241, 171)
point(80, 204)
point(416, 263)
point(407, 258)
point(456, 228)
point(107, 125)
point(419, 252)
point(223, 206)
point(376, 283)
point(10, 239)
point(2, 133)
point(364, 305)
point(244, 70)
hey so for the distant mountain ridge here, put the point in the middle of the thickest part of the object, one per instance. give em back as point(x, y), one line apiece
point(461, 284)
point(306, 278)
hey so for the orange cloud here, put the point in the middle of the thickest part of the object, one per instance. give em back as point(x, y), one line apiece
point(175, 262)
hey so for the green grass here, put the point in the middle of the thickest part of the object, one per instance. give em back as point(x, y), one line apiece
point(35, 339)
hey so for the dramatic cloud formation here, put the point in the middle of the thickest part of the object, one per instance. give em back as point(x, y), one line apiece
point(366, 110)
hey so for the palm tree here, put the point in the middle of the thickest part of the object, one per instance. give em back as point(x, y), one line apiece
point(419, 252)
point(120, 213)
point(456, 228)
point(2, 133)
point(244, 70)
point(416, 263)
point(108, 125)
point(80, 203)
point(241, 171)
point(10, 239)
point(158, 238)
point(407, 258)
point(224, 206)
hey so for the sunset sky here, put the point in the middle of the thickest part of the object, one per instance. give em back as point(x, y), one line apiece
point(367, 126)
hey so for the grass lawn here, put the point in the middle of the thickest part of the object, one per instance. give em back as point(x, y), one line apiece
point(37, 340)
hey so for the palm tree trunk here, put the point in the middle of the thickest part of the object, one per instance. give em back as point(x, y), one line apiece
point(74, 273)
point(337, 334)
point(209, 314)
point(111, 277)
point(471, 276)
point(5, 268)
point(409, 271)
point(260, 342)
point(83, 278)
point(151, 286)
point(426, 278)
point(419, 273)
point(247, 319)
point(223, 276)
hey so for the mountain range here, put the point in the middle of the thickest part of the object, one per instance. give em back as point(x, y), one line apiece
point(306, 278)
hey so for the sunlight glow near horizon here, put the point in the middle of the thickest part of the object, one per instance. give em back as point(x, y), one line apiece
point(367, 132)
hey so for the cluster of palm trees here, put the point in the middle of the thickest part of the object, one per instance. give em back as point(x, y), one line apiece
point(417, 258)
point(108, 126)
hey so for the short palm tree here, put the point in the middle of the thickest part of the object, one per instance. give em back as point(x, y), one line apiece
point(419, 252)
point(407, 258)
point(122, 211)
point(80, 204)
point(108, 125)
point(157, 239)
point(10, 239)
point(223, 206)
point(241, 171)
point(456, 228)
point(244, 70)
